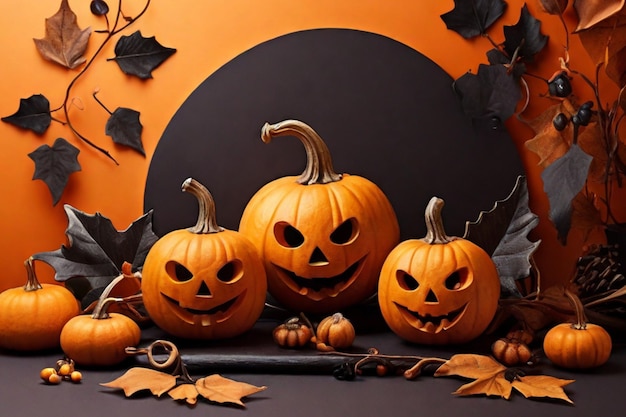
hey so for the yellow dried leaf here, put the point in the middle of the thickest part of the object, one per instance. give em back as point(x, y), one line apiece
point(470, 366)
point(223, 390)
point(139, 379)
point(186, 392)
point(542, 386)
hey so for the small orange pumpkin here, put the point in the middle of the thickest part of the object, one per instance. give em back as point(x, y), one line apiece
point(100, 338)
point(205, 282)
point(578, 345)
point(323, 236)
point(336, 332)
point(440, 289)
point(292, 334)
point(32, 316)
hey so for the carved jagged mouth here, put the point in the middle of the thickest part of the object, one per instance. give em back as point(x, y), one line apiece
point(204, 317)
point(318, 288)
point(431, 324)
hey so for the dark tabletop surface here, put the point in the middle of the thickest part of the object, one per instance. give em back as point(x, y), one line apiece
point(300, 391)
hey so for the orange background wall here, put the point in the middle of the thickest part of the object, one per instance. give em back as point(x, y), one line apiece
point(206, 34)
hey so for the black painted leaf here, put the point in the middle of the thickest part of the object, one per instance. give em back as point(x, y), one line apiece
point(139, 56)
point(562, 181)
point(525, 37)
point(503, 233)
point(471, 18)
point(125, 128)
point(54, 165)
point(97, 251)
point(33, 114)
point(496, 56)
point(490, 93)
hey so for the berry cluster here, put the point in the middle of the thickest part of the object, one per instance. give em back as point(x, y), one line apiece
point(64, 370)
point(581, 118)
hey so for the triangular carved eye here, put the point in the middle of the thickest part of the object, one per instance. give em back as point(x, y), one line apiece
point(345, 232)
point(178, 272)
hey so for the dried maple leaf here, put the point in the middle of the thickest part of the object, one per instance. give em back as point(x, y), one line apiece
point(54, 164)
point(139, 379)
point(548, 143)
point(490, 378)
point(214, 388)
point(33, 114)
point(585, 214)
point(471, 18)
point(223, 390)
point(139, 56)
point(524, 39)
point(64, 43)
point(591, 12)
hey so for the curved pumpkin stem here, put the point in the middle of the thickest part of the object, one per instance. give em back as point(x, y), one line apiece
point(319, 167)
point(32, 283)
point(207, 222)
point(435, 232)
point(581, 318)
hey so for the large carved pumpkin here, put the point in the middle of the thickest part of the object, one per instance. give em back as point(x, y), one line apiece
point(440, 289)
point(204, 282)
point(323, 236)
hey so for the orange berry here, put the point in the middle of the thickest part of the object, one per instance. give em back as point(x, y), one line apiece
point(46, 372)
point(55, 379)
point(76, 377)
point(65, 369)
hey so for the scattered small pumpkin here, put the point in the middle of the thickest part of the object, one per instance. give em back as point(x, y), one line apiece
point(323, 235)
point(204, 282)
point(334, 332)
point(439, 289)
point(100, 338)
point(32, 316)
point(511, 352)
point(292, 334)
point(578, 345)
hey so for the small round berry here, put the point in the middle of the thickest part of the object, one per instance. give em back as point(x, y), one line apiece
point(560, 121)
point(559, 85)
point(76, 377)
point(46, 372)
point(65, 369)
point(54, 379)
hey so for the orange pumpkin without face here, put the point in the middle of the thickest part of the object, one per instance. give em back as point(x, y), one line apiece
point(323, 236)
point(204, 282)
point(439, 289)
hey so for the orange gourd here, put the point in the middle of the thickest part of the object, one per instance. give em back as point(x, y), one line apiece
point(32, 316)
point(336, 332)
point(205, 282)
point(440, 289)
point(292, 334)
point(578, 345)
point(100, 338)
point(323, 236)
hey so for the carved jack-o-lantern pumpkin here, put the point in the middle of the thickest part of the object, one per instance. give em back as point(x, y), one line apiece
point(323, 236)
point(440, 289)
point(204, 282)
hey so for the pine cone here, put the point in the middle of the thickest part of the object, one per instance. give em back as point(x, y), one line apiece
point(598, 271)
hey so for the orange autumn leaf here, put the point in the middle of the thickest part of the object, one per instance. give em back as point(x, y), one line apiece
point(548, 143)
point(490, 378)
point(592, 143)
point(592, 12)
point(223, 390)
point(186, 392)
point(585, 214)
point(64, 43)
point(139, 379)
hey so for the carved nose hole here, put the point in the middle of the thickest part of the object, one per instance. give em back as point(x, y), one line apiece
point(431, 297)
point(204, 289)
point(318, 258)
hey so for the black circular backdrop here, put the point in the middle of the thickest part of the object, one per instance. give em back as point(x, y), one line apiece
point(386, 112)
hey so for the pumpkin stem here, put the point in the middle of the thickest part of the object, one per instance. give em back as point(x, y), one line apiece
point(319, 166)
point(32, 283)
point(435, 232)
point(100, 311)
point(207, 222)
point(581, 318)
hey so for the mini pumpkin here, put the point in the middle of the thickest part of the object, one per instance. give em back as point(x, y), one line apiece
point(292, 334)
point(336, 332)
point(100, 338)
point(440, 289)
point(323, 236)
point(205, 282)
point(511, 352)
point(32, 316)
point(578, 345)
